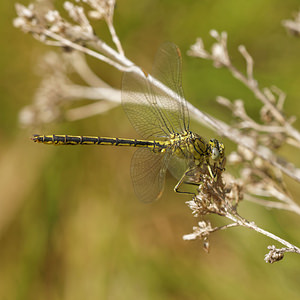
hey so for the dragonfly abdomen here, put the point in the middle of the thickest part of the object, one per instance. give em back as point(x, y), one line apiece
point(96, 140)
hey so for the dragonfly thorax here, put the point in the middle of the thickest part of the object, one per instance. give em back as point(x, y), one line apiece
point(189, 146)
point(193, 147)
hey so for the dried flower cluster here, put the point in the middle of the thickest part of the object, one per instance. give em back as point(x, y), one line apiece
point(261, 169)
point(57, 92)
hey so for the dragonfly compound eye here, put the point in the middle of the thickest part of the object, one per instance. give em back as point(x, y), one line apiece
point(215, 154)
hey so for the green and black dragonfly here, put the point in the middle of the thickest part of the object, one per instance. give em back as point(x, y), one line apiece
point(157, 109)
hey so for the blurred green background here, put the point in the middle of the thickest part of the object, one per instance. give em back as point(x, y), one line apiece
point(70, 225)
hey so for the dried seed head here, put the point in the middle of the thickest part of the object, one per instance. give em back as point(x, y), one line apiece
point(274, 255)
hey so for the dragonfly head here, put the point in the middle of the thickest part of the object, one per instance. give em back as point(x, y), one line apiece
point(217, 150)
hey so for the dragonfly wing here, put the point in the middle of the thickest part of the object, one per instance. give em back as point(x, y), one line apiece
point(155, 104)
point(178, 166)
point(141, 106)
point(167, 70)
point(148, 170)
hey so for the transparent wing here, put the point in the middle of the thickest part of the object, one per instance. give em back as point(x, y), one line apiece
point(148, 171)
point(155, 105)
point(142, 108)
point(177, 166)
point(167, 69)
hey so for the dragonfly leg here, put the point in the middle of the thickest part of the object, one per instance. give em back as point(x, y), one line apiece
point(181, 181)
point(214, 175)
point(211, 172)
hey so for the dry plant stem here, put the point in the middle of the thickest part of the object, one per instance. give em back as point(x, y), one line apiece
point(220, 57)
point(245, 141)
point(247, 121)
point(219, 198)
point(251, 83)
point(251, 225)
point(122, 64)
point(79, 63)
point(224, 227)
point(125, 67)
point(115, 37)
point(89, 110)
point(293, 26)
point(292, 142)
point(77, 92)
point(291, 206)
point(253, 86)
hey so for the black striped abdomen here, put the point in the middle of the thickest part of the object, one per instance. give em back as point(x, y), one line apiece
point(95, 140)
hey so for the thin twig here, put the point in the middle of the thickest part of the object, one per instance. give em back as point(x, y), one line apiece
point(272, 204)
point(88, 51)
point(252, 225)
point(245, 141)
point(89, 110)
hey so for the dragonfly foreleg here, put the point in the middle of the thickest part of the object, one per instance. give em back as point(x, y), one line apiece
point(181, 181)
point(219, 168)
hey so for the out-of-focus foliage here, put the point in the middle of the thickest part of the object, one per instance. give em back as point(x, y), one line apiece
point(70, 225)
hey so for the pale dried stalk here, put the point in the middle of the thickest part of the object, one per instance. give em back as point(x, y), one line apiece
point(293, 26)
point(252, 84)
point(272, 204)
point(272, 256)
point(220, 58)
point(214, 198)
point(89, 110)
point(245, 141)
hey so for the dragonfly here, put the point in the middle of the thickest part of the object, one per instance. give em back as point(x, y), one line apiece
point(157, 109)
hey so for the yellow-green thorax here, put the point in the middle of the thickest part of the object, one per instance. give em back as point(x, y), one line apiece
point(193, 147)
